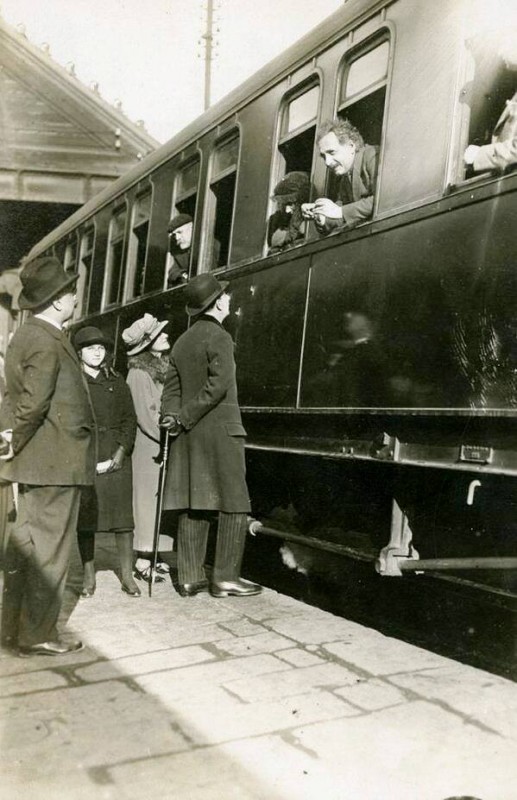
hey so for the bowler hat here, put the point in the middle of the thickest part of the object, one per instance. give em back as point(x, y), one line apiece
point(142, 333)
point(178, 221)
point(201, 292)
point(42, 280)
point(89, 335)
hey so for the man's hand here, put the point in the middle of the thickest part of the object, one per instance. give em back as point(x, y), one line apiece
point(6, 448)
point(117, 460)
point(328, 208)
point(172, 424)
point(470, 154)
point(307, 210)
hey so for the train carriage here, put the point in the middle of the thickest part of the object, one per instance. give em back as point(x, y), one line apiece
point(377, 366)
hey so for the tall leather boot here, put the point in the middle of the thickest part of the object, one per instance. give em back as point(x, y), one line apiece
point(86, 542)
point(124, 540)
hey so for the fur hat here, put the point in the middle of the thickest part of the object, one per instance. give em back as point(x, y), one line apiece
point(142, 333)
point(178, 221)
point(42, 280)
point(293, 188)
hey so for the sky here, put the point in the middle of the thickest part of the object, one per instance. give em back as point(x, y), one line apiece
point(148, 54)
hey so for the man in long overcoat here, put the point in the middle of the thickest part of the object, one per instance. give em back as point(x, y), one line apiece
point(207, 467)
point(49, 418)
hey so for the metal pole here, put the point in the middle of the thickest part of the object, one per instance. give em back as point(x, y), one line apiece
point(159, 506)
point(209, 44)
point(490, 562)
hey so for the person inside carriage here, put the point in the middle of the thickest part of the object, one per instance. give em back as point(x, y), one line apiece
point(354, 164)
point(286, 225)
point(500, 153)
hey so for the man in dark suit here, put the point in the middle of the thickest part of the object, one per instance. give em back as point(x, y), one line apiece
point(49, 420)
point(354, 163)
point(206, 474)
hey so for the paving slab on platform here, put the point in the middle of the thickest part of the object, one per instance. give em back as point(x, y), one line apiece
point(245, 699)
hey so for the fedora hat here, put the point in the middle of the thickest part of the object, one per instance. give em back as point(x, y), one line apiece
point(201, 292)
point(89, 335)
point(142, 333)
point(42, 280)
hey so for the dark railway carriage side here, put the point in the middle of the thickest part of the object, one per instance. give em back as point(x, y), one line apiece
point(377, 367)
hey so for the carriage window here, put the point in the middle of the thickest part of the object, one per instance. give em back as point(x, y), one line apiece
point(492, 98)
point(85, 270)
point(221, 201)
point(185, 199)
point(138, 246)
point(70, 255)
point(114, 258)
point(363, 91)
point(298, 130)
point(178, 261)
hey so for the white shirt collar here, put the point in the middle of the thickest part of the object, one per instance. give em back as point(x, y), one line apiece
point(50, 321)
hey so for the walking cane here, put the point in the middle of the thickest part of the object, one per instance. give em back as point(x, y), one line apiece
point(164, 454)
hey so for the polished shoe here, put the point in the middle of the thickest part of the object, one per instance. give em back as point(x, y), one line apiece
point(145, 575)
point(238, 588)
point(50, 649)
point(191, 589)
point(162, 568)
point(132, 591)
point(87, 591)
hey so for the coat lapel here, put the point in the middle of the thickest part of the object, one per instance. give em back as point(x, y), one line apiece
point(357, 182)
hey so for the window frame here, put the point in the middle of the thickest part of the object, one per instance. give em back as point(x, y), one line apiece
point(83, 287)
point(132, 246)
point(119, 210)
point(180, 197)
point(211, 202)
point(314, 80)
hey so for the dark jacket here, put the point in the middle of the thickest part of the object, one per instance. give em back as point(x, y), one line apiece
point(109, 504)
point(48, 407)
point(359, 206)
point(206, 466)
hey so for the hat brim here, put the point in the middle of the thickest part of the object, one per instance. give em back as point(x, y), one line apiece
point(194, 311)
point(94, 340)
point(145, 345)
point(26, 305)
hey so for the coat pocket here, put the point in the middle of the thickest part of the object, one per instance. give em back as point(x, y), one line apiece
point(235, 429)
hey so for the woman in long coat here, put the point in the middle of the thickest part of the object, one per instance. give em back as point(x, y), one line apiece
point(146, 343)
point(107, 505)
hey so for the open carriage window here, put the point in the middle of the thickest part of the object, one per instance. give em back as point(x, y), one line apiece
point(70, 259)
point(292, 180)
point(362, 93)
point(298, 129)
point(115, 255)
point(491, 100)
point(84, 270)
point(363, 90)
point(137, 251)
point(223, 183)
point(178, 262)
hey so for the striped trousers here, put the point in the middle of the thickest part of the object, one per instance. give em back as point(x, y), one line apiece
point(192, 542)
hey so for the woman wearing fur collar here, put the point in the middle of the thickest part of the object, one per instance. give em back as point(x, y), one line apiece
point(146, 342)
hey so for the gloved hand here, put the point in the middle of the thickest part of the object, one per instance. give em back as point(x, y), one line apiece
point(117, 460)
point(172, 424)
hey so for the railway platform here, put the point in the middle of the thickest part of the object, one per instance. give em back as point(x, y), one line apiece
point(260, 698)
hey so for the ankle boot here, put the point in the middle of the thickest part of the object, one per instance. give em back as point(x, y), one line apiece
point(124, 542)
